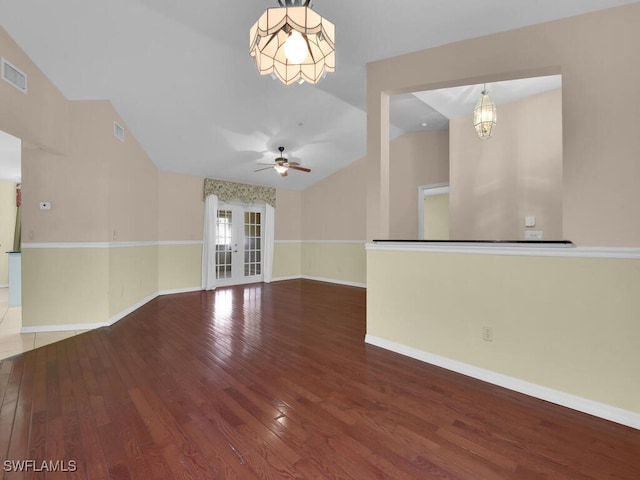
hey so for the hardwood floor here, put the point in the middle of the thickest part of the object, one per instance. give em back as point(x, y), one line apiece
point(275, 381)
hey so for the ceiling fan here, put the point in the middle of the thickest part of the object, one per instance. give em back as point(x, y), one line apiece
point(282, 165)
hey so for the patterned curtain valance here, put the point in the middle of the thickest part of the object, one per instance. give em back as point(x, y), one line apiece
point(228, 191)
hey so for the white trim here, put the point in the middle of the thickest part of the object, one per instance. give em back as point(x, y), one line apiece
point(119, 316)
point(180, 290)
point(28, 245)
point(179, 242)
point(63, 328)
point(282, 279)
point(602, 410)
point(323, 241)
point(89, 326)
point(334, 280)
point(335, 241)
point(423, 191)
point(542, 250)
point(131, 244)
point(320, 279)
point(111, 321)
point(4, 285)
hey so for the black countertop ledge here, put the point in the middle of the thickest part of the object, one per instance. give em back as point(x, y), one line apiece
point(489, 243)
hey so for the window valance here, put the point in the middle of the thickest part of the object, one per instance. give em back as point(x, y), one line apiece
point(229, 191)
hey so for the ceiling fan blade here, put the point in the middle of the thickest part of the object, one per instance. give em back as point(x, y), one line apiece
point(302, 169)
point(262, 163)
point(261, 169)
point(292, 163)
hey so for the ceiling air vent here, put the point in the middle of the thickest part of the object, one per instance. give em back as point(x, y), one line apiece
point(118, 131)
point(13, 75)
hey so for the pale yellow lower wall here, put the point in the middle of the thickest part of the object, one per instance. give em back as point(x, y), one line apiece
point(179, 267)
point(287, 260)
point(71, 286)
point(133, 276)
point(568, 324)
point(64, 286)
point(341, 262)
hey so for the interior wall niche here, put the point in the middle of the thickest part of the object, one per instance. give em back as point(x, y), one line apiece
point(495, 183)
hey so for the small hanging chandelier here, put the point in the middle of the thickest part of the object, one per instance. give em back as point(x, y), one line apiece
point(485, 115)
point(293, 43)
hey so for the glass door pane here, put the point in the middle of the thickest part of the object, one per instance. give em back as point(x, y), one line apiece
point(252, 244)
point(224, 242)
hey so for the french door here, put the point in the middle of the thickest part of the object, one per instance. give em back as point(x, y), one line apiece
point(239, 244)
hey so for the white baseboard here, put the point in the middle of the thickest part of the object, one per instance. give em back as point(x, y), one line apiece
point(88, 326)
point(131, 309)
point(119, 316)
point(62, 327)
point(602, 410)
point(180, 290)
point(320, 279)
point(282, 279)
point(334, 280)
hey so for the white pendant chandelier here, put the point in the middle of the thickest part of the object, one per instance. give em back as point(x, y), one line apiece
point(485, 115)
point(293, 43)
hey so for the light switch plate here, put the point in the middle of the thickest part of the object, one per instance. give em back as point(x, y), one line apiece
point(529, 221)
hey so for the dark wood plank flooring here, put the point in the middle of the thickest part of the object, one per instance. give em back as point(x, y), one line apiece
point(272, 382)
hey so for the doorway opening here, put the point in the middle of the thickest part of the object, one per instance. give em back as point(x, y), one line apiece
point(10, 255)
point(433, 212)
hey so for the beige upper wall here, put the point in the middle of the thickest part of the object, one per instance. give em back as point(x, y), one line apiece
point(496, 182)
point(133, 185)
point(42, 117)
point(597, 56)
point(180, 206)
point(416, 158)
point(100, 189)
point(288, 215)
point(335, 208)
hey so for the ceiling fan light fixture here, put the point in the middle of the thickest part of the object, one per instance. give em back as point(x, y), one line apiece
point(293, 43)
point(281, 169)
point(485, 115)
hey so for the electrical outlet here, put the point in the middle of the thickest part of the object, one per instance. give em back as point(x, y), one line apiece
point(487, 334)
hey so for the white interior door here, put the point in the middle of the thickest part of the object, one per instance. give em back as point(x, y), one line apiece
point(239, 244)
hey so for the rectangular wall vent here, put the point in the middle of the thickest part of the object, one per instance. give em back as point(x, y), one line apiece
point(13, 75)
point(118, 131)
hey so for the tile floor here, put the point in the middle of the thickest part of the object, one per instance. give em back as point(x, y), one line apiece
point(12, 342)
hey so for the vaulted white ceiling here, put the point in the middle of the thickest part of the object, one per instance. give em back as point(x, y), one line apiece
point(179, 73)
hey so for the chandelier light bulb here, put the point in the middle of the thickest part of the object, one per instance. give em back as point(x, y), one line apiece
point(295, 48)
